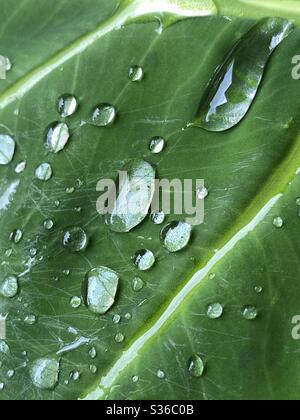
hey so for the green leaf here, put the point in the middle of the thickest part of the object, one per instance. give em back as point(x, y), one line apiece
point(157, 342)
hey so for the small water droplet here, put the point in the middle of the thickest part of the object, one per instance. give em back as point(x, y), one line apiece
point(157, 145)
point(67, 105)
point(144, 259)
point(75, 376)
point(57, 203)
point(2, 386)
point(128, 316)
point(160, 374)
point(116, 319)
point(258, 289)
point(70, 190)
point(48, 224)
point(99, 289)
point(136, 73)
point(278, 222)
point(10, 373)
point(8, 64)
point(176, 236)
point(57, 137)
point(43, 172)
point(9, 287)
point(250, 312)
point(298, 201)
point(20, 167)
point(215, 311)
point(30, 319)
point(7, 149)
point(137, 284)
point(45, 373)
point(119, 338)
point(16, 236)
point(196, 366)
point(158, 218)
point(75, 302)
point(75, 239)
point(135, 379)
point(93, 353)
point(104, 115)
point(202, 193)
point(4, 349)
point(93, 369)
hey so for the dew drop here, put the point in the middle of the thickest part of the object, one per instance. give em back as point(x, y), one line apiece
point(176, 236)
point(158, 218)
point(93, 353)
point(157, 145)
point(258, 289)
point(116, 319)
point(16, 236)
point(136, 73)
point(48, 224)
point(8, 64)
point(104, 115)
point(93, 369)
point(2, 386)
point(137, 284)
point(67, 105)
point(135, 379)
point(75, 302)
point(99, 289)
point(57, 137)
point(250, 312)
point(202, 193)
point(144, 259)
point(30, 320)
point(160, 374)
point(75, 376)
point(196, 366)
point(298, 201)
point(10, 373)
point(43, 172)
point(20, 167)
point(215, 311)
point(44, 373)
point(75, 239)
point(278, 222)
point(7, 149)
point(9, 288)
point(119, 338)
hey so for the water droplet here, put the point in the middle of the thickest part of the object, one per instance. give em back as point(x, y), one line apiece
point(160, 374)
point(20, 167)
point(135, 379)
point(4, 349)
point(45, 373)
point(119, 338)
point(136, 190)
point(104, 115)
point(75, 302)
point(250, 312)
point(136, 73)
point(30, 320)
point(75, 376)
point(258, 289)
point(48, 224)
point(7, 149)
point(67, 105)
point(128, 316)
point(176, 236)
point(8, 65)
point(9, 288)
point(16, 236)
point(99, 289)
point(196, 366)
point(43, 172)
point(144, 259)
point(157, 145)
point(57, 137)
point(278, 222)
point(10, 373)
point(298, 201)
point(57, 203)
point(137, 284)
point(70, 190)
point(75, 239)
point(235, 84)
point(2, 386)
point(116, 319)
point(93, 353)
point(215, 311)
point(158, 218)
point(93, 369)
point(202, 193)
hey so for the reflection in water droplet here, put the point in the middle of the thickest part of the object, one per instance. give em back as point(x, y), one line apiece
point(136, 73)
point(144, 259)
point(57, 137)
point(75, 239)
point(20, 167)
point(137, 284)
point(176, 236)
point(16, 236)
point(9, 288)
point(44, 373)
point(104, 115)
point(43, 172)
point(196, 366)
point(7, 149)
point(278, 222)
point(235, 84)
point(215, 311)
point(157, 145)
point(250, 312)
point(67, 105)
point(99, 289)
point(158, 218)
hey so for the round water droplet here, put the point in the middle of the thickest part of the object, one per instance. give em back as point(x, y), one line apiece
point(137, 284)
point(30, 320)
point(99, 289)
point(144, 259)
point(215, 311)
point(250, 312)
point(48, 224)
point(75, 239)
point(9, 288)
point(196, 366)
point(160, 374)
point(20, 167)
point(44, 373)
point(10, 373)
point(158, 218)
point(67, 105)
point(116, 319)
point(119, 338)
point(43, 172)
point(135, 379)
point(8, 64)
point(136, 73)
point(16, 236)
point(176, 236)
point(278, 222)
point(258, 289)
point(202, 193)
point(104, 115)
point(75, 302)
point(157, 145)
point(7, 149)
point(57, 137)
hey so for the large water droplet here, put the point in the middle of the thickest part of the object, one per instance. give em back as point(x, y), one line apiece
point(44, 373)
point(196, 366)
point(57, 137)
point(75, 239)
point(67, 105)
point(157, 145)
point(136, 73)
point(136, 190)
point(215, 311)
point(7, 149)
point(9, 287)
point(176, 236)
point(235, 84)
point(43, 172)
point(99, 289)
point(104, 115)
point(144, 259)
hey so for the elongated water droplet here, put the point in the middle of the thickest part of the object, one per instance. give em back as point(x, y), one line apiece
point(144, 259)
point(93, 369)
point(9, 287)
point(235, 84)
point(93, 353)
point(104, 115)
point(157, 145)
point(43, 172)
point(136, 73)
point(99, 289)
point(16, 236)
point(57, 137)
point(75, 239)
point(158, 218)
point(7, 149)
point(137, 284)
point(176, 236)
point(136, 190)
point(20, 167)
point(67, 105)
point(250, 312)
point(215, 311)
point(44, 373)
point(196, 366)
